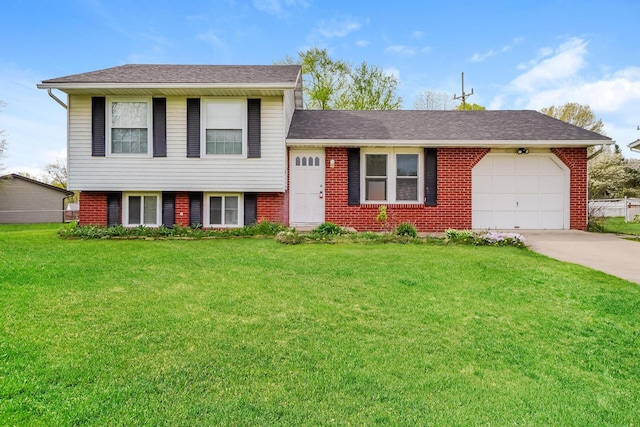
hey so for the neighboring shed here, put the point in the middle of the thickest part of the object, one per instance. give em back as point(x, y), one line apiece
point(24, 200)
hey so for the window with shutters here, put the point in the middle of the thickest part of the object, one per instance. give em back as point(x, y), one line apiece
point(141, 209)
point(129, 126)
point(223, 210)
point(391, 176)
point(224, 124)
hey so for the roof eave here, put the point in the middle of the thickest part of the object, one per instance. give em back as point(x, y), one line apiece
point(73, 86)
point(635, 146)
point(442, 143)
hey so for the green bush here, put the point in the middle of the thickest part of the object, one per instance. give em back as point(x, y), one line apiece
point(289, 237)
point(407, 230)
point(328, 229)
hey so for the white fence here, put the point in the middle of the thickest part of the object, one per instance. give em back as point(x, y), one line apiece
point(629, 208)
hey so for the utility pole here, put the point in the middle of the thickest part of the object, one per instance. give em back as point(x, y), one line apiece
point(464, 96)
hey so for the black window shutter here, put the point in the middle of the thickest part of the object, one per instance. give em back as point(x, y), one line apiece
point(250, 208)
point(195, 208)
point(113, 209)
point(159, 127)
point(353, 179)
point(253, 128)
point(168, 209)
point(98, 125)
point(193, 127)
point(430, 176)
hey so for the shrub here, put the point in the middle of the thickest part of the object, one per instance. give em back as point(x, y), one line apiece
point(407, 230)
point(458, 235)
point(328, 229)
point(495, 238)
point(289, 237)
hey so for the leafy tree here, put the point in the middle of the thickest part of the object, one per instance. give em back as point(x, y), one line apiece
point(332, 84)
point(611, 176)
point(431, 99)
point(370, 88)
point(470, 107)
point(576, 114)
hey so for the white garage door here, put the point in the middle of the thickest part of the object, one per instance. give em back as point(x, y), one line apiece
point(520, 192)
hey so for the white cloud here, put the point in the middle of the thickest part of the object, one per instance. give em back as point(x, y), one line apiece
point(279, 8)
point(418, 35)
point(565, 62)
point(392, 71)
point(561, 75)
point(363, 43)
point(337, 28)
point(212, 38)
point(401, 49)
point(34, 124)
point(479, 57)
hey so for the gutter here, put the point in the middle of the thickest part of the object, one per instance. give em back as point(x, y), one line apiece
point(596, 153)
point(635, 146)
point(55, 98)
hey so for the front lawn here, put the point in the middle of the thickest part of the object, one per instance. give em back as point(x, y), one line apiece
point(252, 332)
point(618, 226)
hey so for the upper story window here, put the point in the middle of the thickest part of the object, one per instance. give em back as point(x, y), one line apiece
point(130, 126)
point(225, 129)
point(391, 176)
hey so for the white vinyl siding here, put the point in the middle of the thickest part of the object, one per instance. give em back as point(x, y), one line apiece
point(176, 172)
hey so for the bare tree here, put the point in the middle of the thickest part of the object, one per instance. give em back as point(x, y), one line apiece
point(56, 172)
point(431, 99)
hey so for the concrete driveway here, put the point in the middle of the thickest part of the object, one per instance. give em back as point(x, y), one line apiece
point(599, 251)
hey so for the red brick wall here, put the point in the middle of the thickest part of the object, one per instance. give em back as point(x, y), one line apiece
point(576, 160)
point(454, 195)
point(93, 209)
point(273, 207)
point(182, 209)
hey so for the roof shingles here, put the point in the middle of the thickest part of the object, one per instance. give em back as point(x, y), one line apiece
point(505, 125)
point(185, 74)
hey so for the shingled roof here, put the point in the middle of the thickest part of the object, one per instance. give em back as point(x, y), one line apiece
point(494, 125)
point(184, 74)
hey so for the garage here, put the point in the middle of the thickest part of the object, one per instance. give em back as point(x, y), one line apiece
point(527, 191)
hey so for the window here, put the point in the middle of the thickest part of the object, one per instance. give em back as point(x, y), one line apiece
point(224, 210)
point(407, 177)
point(391, 176)
point(129, 124)
point(376, 177)
point(225, 127)
point(142, 209)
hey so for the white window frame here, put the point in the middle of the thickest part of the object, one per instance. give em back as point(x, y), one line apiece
point(206, 217)
point(391, 175)
point(125, 208)
point(147, 100)
point(203, 126)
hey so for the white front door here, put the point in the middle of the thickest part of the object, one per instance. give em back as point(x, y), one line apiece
point(521, 192)
point(306, 190)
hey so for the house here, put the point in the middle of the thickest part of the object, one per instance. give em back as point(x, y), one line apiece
point(25, 201)
point(226, 146)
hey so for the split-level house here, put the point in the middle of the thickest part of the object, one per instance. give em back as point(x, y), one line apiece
point(226, 146)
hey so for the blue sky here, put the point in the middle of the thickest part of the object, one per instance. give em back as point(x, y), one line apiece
point(516, 54)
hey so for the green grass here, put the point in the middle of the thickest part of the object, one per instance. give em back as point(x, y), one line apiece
point(252, 332)
point(618, 226)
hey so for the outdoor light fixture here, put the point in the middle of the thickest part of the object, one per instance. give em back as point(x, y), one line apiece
point(523, 151)
point(332, 163)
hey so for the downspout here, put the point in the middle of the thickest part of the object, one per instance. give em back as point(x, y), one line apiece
point(55, 98)
point(596, 153)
